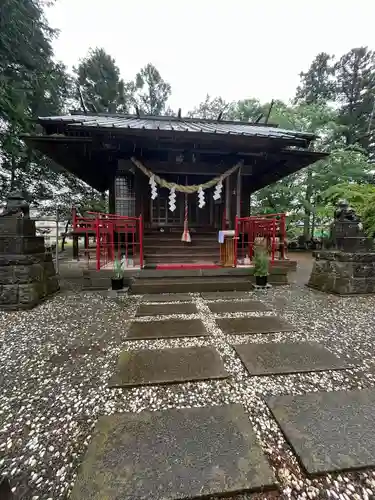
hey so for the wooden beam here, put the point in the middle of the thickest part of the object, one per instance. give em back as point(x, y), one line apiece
point(238, 193)
point(227, 203)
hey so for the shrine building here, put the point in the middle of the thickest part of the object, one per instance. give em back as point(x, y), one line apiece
point(174, 173)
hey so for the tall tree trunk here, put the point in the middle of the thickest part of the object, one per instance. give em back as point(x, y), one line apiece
point(63, 239)
point(308, 195)
point(313, 225)
point(13, 174)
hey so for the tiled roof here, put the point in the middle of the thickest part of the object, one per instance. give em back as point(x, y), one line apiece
point(174, 124)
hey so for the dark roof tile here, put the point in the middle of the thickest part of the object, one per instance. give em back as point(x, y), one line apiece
point(175, 124)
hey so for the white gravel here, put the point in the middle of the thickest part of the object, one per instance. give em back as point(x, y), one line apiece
point(57, 359)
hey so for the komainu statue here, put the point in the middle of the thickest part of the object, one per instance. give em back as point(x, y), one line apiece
point(345, 213)
point(16, 206)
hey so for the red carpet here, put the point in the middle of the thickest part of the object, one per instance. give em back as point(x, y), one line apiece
point(187, 266)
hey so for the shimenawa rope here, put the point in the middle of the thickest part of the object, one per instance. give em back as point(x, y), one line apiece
point(179, 187)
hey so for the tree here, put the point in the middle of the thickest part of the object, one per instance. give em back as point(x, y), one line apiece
point(300, 188)
point(152, 92)
point(317, 85)
point(250, 110)
point(103, 91)
point(212, 107)
point(300, 194)
point(360, 196)
point(31, 83)
point(25, 47)
point(355, 88)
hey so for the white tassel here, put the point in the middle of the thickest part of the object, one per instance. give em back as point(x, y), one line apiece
point(172, 199)
point(218, 190)
point(201, 200)
point(154, 189)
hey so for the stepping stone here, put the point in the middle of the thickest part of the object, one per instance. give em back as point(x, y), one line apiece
point(264, 324)
point(173, 454)
point(5, 490)
point(176, 297)
point(168, 366)
point(164, 309)
point(166, 329)
point(224, 295)
point(288, 357)
point(233, 307)
point(329, 431)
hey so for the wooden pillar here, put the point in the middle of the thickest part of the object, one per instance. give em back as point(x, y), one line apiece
point(137, 193)
point(111, 196)
point(245, 196)
point(227, 203)
point(233, 199)
point(75, 247)
point(238, 193)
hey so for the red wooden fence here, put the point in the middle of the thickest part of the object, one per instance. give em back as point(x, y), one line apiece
point(271, 227)
point(116, 237)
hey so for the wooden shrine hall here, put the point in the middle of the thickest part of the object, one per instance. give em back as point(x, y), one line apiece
point(186, 178)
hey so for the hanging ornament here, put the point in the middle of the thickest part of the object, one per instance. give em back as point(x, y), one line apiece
point(172, 199)
point(154, 189)
point(201, 201)
point(186, 238)
point(218, 190)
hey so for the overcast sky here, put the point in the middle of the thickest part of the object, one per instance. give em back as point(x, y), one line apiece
point(230, 48)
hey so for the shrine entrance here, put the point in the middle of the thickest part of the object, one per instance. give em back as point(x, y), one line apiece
point(209, 216)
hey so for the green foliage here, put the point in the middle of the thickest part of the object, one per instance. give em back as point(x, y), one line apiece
point(317, 85)
point(103, 90)
point(355, 91)
point(360, 196)
point(152, 91)
point(212, 107)
point(31, 83)
point(261, 262)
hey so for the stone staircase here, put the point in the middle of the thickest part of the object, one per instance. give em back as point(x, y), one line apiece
point(200, 280)
point(167, 247)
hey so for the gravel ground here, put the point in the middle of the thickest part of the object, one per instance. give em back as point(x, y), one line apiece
point(56, 361)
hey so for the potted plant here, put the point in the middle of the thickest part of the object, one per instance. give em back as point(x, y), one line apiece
point(118, 278)
point(261, 267)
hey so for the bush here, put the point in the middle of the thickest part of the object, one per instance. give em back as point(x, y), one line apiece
point(261, 262)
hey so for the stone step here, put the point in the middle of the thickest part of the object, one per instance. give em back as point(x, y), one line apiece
point(178, 247)
point(176, 463)
point(195, 237)
point(191, 258)
point(202, 284)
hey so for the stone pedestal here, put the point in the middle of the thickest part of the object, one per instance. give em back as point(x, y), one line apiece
point(27, 272)
point(343, 273)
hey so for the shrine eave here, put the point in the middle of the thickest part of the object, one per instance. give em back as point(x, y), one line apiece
point(91, 162)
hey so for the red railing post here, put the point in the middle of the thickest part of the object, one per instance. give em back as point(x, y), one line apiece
point(235, 241)
point(252, 236)
point(273, 240)
point(282, 236)
point(140, 221)
point(97, 232)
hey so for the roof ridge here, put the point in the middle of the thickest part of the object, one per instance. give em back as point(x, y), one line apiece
point(188, 119)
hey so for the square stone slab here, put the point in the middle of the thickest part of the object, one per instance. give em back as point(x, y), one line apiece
point(164, 309)
point(264, 324)
point(175, 297)
point(173, 454)
point(233, 307)
point(329, 431)
point(167, 329)
point(167, 366)
point(288, 357)
point(224, 295)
